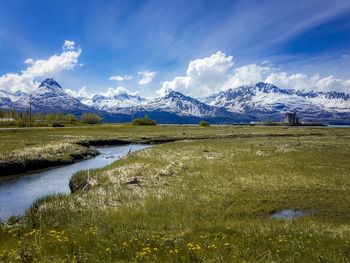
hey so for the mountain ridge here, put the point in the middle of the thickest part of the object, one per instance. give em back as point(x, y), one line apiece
point(261, 101)
point(264, 99)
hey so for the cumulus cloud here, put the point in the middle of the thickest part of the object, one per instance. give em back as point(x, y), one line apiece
point(215, 73)
point(146, 77)
point(294, 81)
point(29, 61)
point(13, 82)
point(120, 78)
point(25, 81)
point(109, 92)
point(304, 82)
point(82, 93)
point(203, 76)
point(247, 75)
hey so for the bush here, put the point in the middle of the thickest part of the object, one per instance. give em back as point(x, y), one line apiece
point(144, 121)
point(203, 123)
point(57, 125)
point(70, 118)
point(90, 118)
point(78, 181)
point(13, 220)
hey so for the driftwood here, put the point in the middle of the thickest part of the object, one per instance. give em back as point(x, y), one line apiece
point(134, 181)
point(88, 181)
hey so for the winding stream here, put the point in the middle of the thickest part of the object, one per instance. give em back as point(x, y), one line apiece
point(17, 193)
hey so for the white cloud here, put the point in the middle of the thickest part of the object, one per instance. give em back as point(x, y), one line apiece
point(120, 78)
point(68, 45)
point(247, 75)
point(67, 60)
point(42, 68)
point(83, 93)
point(294, 81)
point(29, 61)
point(203, 76)
point(13, 82)
point(109, 92)
point(216, 64)
point(304, 82)
point(116, 91)
point(146, 77)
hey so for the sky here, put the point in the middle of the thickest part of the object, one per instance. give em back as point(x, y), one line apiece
point(198, 47)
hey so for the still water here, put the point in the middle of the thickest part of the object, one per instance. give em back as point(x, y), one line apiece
point(17, 193)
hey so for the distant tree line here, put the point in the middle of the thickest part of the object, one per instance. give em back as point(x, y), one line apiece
point(24, 119)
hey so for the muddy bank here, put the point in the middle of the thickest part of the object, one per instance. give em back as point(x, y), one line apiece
point(143, 140)
point(155, 140)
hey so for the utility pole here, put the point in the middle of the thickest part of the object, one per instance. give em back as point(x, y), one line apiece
point(30, 110)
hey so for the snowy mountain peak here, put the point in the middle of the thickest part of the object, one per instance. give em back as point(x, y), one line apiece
point(98, 97)
point(50, 97)
point(264, 85)
point(19, 93)
point(124, 96)
point(172, 94)
point(50, 83)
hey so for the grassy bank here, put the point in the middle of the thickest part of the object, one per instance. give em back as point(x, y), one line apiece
point(200, 201)
point(36, 158)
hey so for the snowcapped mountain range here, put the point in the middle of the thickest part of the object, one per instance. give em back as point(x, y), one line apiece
point(178, 103)
point(266, 101)
point(114, 103)
point(262, 101)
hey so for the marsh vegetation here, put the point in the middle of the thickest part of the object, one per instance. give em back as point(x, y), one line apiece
point(207, 200)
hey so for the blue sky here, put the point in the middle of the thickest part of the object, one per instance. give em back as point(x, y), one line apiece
point(158, 39)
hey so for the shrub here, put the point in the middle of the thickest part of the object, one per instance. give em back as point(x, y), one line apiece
point(203, 123)
point(78, 181)
point(13, 220)
point(70, 118)
point(90, 118)
point(57, 125)
point(144, 121)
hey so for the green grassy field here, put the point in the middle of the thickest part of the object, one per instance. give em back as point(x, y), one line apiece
point(25, 149)
point(20, 138)
point(198, 200)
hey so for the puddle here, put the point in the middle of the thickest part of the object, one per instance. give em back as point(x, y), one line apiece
point(289, 214)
